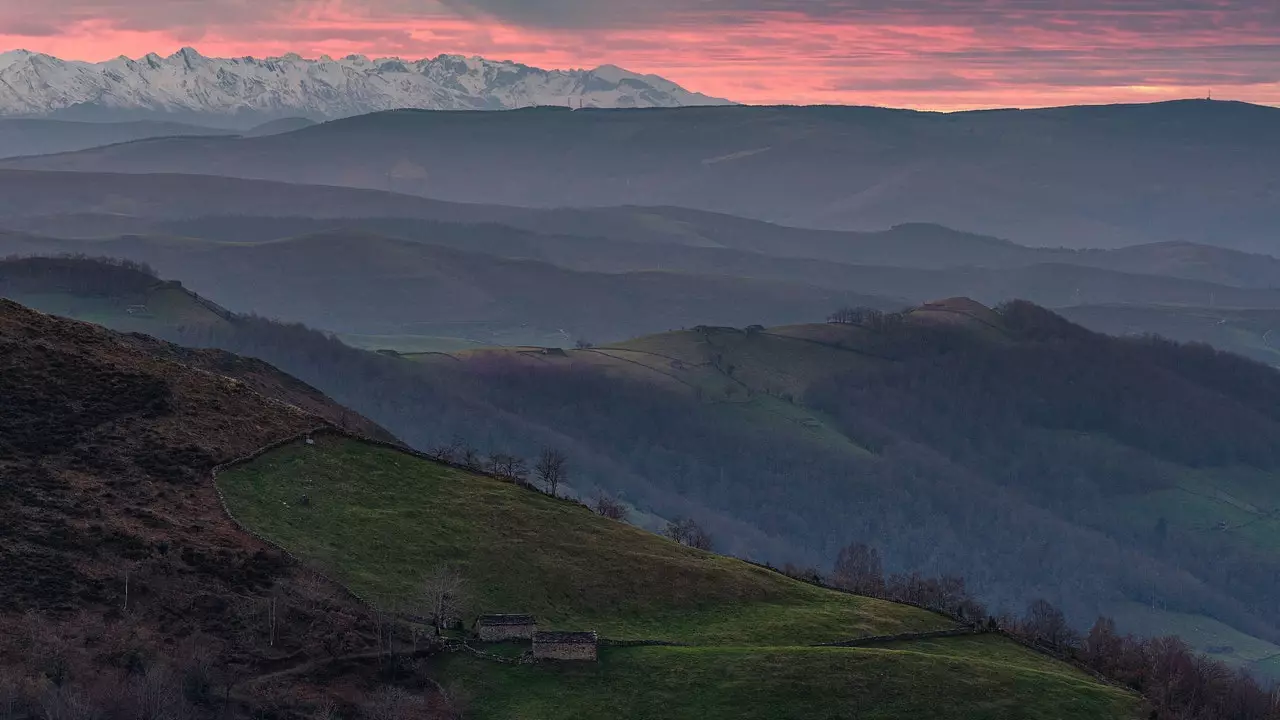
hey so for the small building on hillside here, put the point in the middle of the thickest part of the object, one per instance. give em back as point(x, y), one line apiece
point(549, 645)
point(496, 628)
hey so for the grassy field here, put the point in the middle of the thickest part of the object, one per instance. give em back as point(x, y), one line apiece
point(749, 377)
point(409, 344)
point(166, 307)
point(1218, 640)
point(973, 679)
point(380, 521)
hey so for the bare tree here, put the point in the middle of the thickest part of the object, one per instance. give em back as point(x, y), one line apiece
point(11, 693)
point(63, 702)
point(508, 467)
point(552, 469)
point(469, 458)
point(858, 569)
point(157, 695)
point(845, 316)
point(443, 595)
point(1046, 623)
point(609, 506)
point(393, 703)
point(700, 538)
point(688, 532)
point(876, 320)
point(449, 453)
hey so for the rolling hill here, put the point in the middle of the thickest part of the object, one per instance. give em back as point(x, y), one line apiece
point(1251, 332)
point(789, 443)
point(374, 285)
point(127, 582)
point(746, 626)
point(1049, 177)
point(896, 433)
point(628, 239)
point(460, 283)
point(38, 136)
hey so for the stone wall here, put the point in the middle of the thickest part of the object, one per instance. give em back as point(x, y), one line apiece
point(900, 637)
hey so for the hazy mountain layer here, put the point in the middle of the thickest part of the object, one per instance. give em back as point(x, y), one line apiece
point(1205, 172)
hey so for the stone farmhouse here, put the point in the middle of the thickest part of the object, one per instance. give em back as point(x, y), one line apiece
point(549, 645)
point(497, 628)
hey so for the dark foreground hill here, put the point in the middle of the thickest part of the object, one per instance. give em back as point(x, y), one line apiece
point(123, 584)
point(1079, 177)
point(128, 591)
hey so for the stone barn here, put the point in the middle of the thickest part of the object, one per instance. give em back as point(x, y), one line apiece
point(565, 645)
point(496, 628)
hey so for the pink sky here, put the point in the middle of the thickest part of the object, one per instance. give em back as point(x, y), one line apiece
point(934, 54)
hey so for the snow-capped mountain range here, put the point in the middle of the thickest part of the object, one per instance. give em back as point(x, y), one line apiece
point(255, 89)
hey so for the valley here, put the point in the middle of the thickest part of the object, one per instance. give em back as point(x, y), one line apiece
point(811, 412)
point(516, 546)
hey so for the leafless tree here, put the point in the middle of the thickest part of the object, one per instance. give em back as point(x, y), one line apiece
point(469, 458)
point(1046, 623)
point(64, 702)
point(393, 703)
point(609, 506)
point(443, 596)
point(688, 532)
point(448, 453)
point(858, 569)
point(11, 693)
point(457, 451)
point(157, 694)
point(552, 469)
point(508, 467)
point(198, 665)
point(845, 316)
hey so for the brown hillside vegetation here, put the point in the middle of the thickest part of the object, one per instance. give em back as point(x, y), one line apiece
point(122, 580)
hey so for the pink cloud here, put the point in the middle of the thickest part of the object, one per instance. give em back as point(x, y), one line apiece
point(904, 54)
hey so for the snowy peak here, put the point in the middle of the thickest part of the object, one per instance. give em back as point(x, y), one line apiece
point(253, 89)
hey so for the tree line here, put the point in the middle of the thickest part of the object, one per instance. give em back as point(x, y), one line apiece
point(1176, 682)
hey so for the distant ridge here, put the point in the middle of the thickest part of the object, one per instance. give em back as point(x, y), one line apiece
point(1071, 177)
